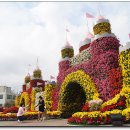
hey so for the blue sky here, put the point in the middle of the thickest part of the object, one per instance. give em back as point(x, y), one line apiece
point(37, 29)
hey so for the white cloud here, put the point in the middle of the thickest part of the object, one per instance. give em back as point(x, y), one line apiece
point(28, 31)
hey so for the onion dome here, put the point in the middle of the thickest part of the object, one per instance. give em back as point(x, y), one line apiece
point(37, 73)
point(27, 78)
point(86, 42)
point(67, 51)
point(102, 26)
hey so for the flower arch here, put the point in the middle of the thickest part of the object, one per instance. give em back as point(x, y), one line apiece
point(86, 83)
point(25, 96)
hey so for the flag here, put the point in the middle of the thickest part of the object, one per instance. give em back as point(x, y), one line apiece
point(89, 35)
point(38, 83)
point(51, 77)
point(129, 35)
point(100, 17)
point(67, 30)
point(89, 15)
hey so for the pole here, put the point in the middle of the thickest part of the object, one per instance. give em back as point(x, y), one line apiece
point(87, 25)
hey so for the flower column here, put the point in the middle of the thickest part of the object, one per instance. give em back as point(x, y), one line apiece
point(105, 50)
point(67, 52)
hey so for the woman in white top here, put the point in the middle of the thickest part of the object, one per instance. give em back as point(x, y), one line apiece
point(21, 112)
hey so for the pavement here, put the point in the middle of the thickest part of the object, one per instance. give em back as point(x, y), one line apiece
point(46, 123)
point(51, 122)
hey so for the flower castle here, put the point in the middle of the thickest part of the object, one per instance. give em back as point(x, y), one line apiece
point(99, 72)
point(32, 84)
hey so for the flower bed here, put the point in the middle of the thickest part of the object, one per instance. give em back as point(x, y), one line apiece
point(53, 114)
point(13, 116)
point(97, 117)
point(11, 110)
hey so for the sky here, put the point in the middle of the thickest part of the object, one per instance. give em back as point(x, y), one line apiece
point(37, 29)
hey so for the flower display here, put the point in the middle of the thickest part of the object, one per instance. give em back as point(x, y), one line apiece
point(25, 96)
point(85, 81)
point(101, 45)
point(95, 105)
point(67, 52)
point(104, 61)
point(17, 100)
point(11, 110)
point(33, 94)
point(64, 65)
point(96, 117)
point(81, 57)
point(55, 99)
point(1, 109)
point(48, 96)
point(101, 28)
point(85, 107)
point(13, 116)
point(53, 113)
point(120, 104)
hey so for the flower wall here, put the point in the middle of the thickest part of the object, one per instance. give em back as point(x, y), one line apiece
point(85, 55)
point(104, 60)
point(125, 66)
point(33, 99)
point(55, 98)
point(48, 96)
point(119, 104)
point(26, 98)
point(17, 100)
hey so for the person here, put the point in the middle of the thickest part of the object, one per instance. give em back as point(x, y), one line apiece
point(21, 111)
point(41, 108)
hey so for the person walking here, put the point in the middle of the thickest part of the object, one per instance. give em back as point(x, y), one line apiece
point(41, 108)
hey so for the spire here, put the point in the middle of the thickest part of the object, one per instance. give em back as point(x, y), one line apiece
point(29, 66)
point(37, 63)
point(67, 30)
point(99, 15)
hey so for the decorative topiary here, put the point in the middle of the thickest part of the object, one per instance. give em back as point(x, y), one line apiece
point(67, 52)
point(101, 28)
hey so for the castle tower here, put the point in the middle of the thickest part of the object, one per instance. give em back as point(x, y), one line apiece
point(67, 52)
point(105, 51)
point(27, 78)
point(37, 74)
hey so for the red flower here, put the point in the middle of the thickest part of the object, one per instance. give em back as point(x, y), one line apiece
point(85, 107)
point(11, 110)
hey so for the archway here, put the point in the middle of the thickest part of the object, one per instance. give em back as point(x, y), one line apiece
point(74, 99)
point(25, 97)
point(84, 84)
point(23, 101)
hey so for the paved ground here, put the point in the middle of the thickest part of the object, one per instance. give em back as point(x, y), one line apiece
point(51, 122)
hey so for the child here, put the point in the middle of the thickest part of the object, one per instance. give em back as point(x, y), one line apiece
point(21, 112)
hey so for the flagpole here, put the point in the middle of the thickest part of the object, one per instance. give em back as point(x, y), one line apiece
point(66, 35)
point(87, 25)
